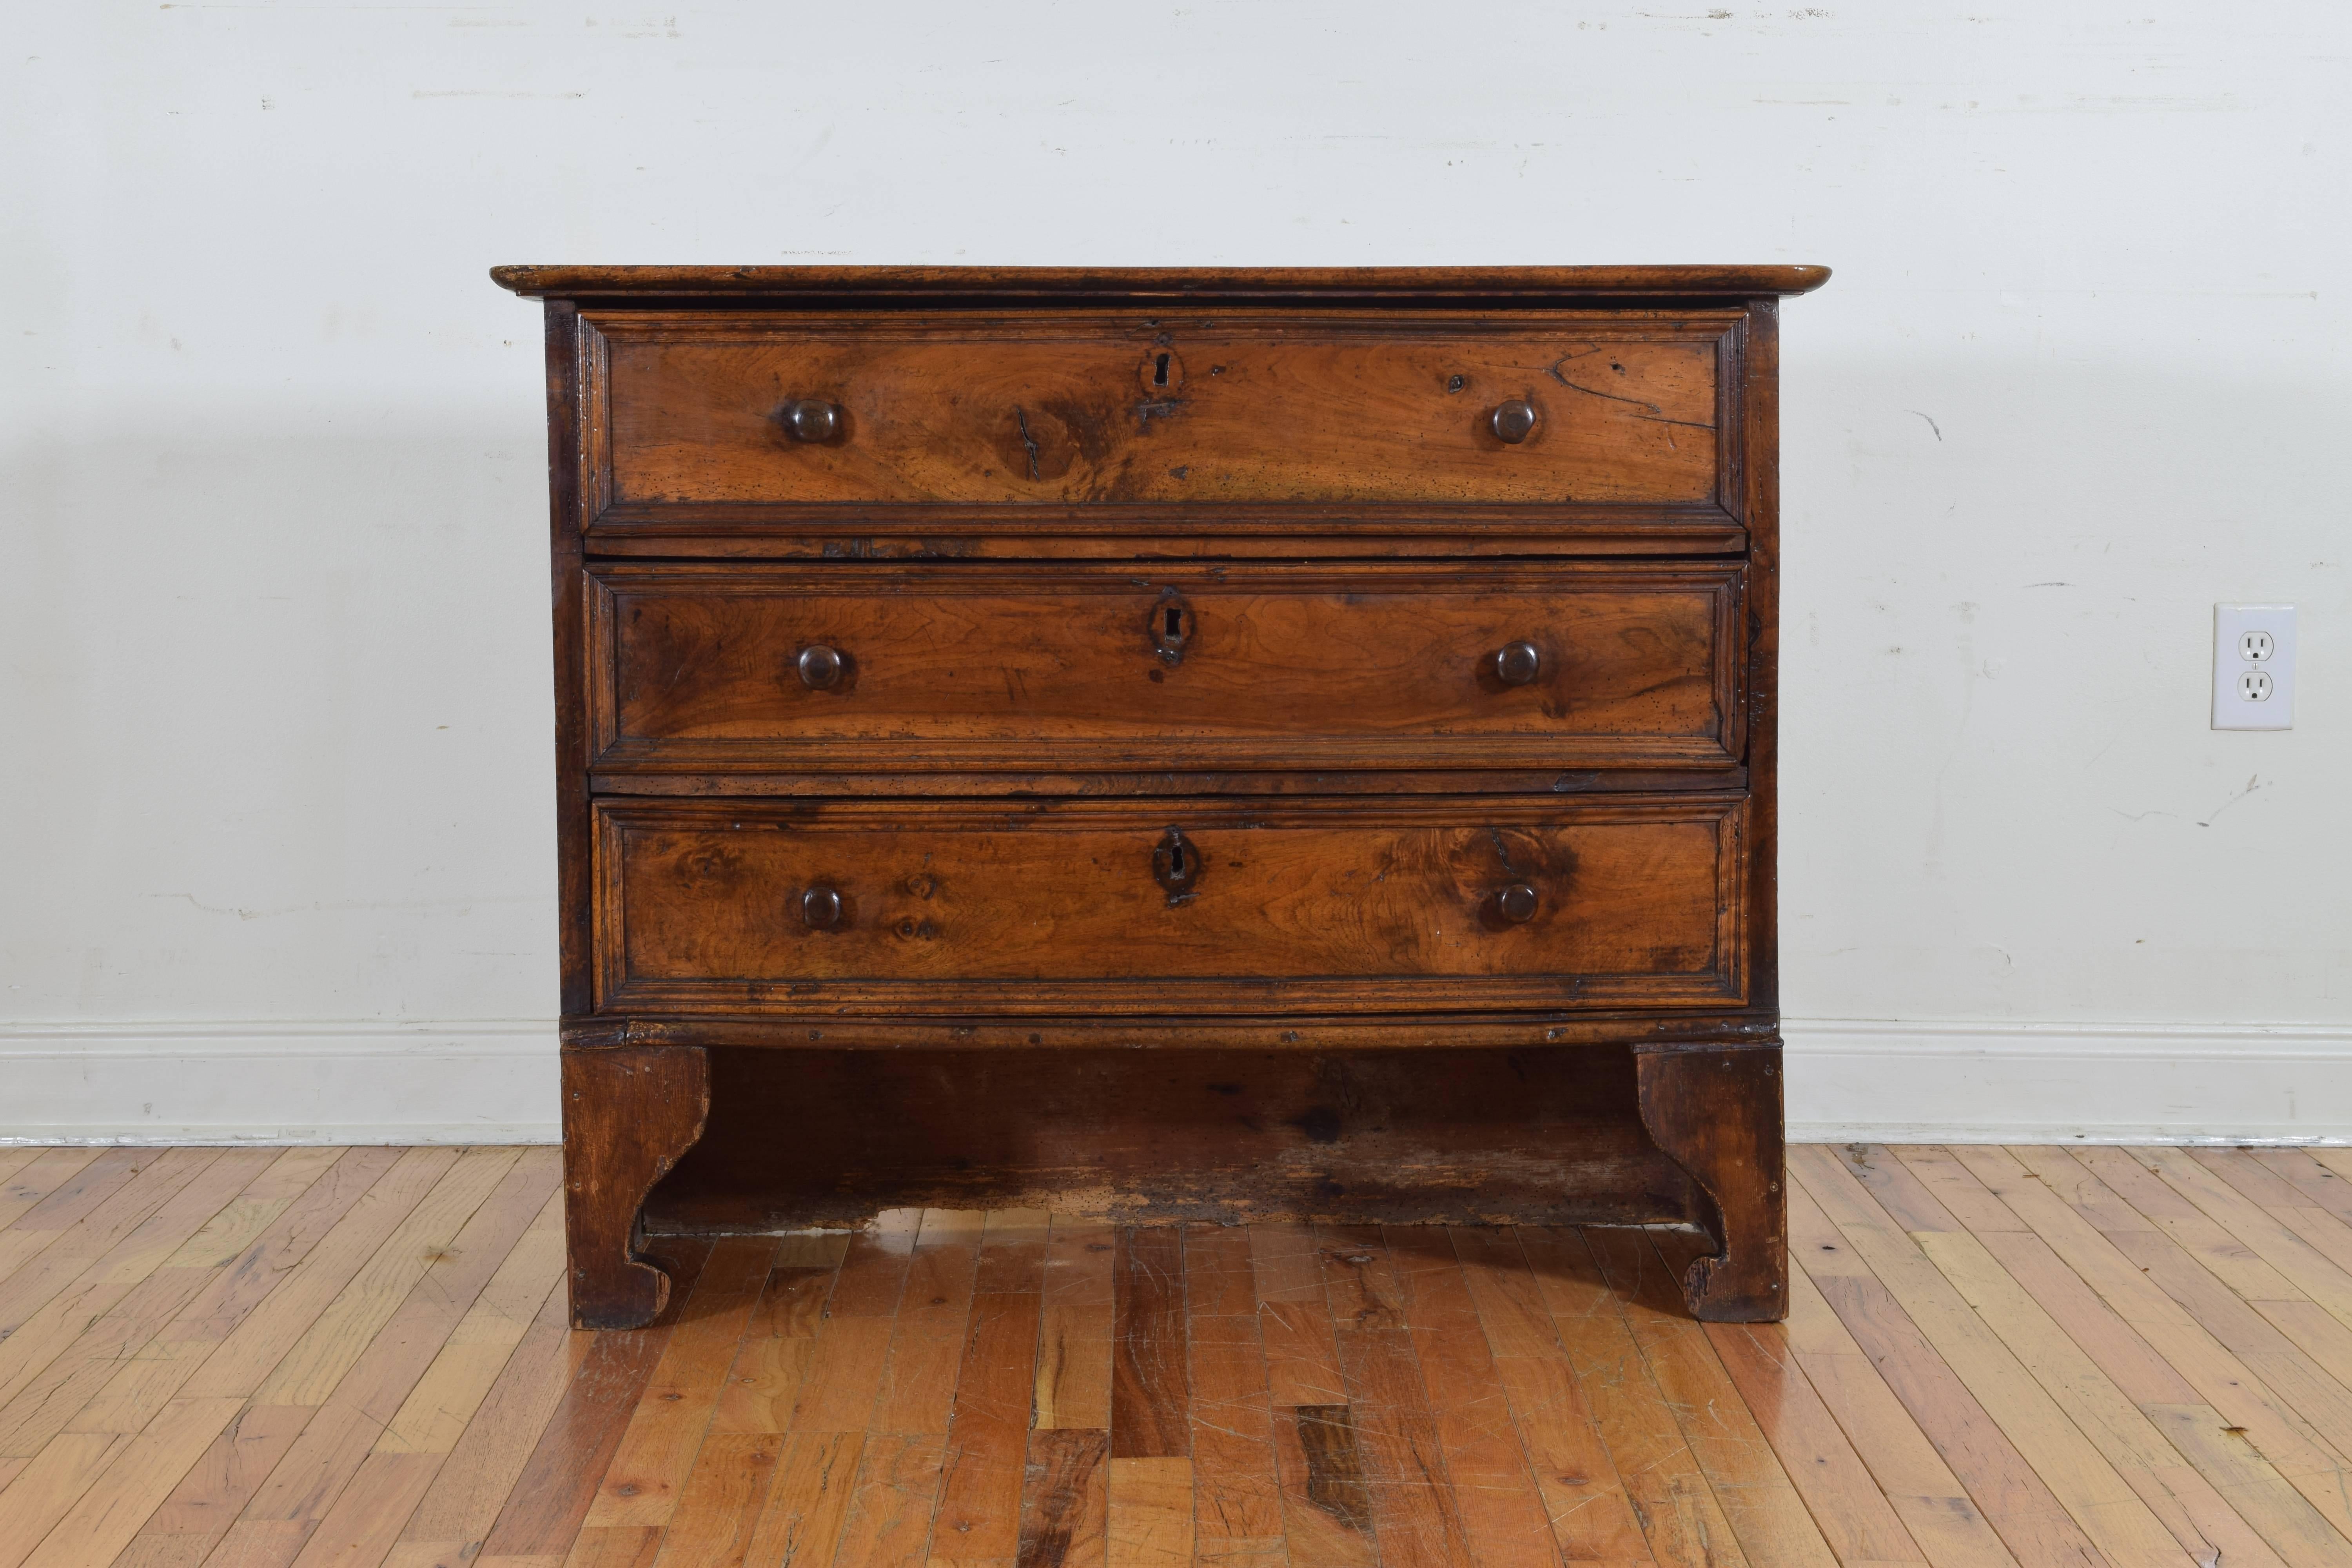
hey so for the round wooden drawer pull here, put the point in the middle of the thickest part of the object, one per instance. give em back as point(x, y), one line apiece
point(820, 667)
point(1517, 664)
point(811, 419)
point(820, 908)
point(1517, 902)
point(1514, 421)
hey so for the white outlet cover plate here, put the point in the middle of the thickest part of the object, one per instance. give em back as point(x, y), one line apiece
point(2232, 710)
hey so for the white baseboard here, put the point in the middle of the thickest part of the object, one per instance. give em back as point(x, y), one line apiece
point(1850, 1080)
point(1861, 1080)
point(331, 1082)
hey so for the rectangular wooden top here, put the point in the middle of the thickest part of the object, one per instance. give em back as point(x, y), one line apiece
point(1141, 284)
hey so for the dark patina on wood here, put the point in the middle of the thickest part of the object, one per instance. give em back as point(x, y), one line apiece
point(1203, 743)
point(1718, 1114)
point(1010, 284)
point(627, 1116)
point(1440, 1133)
point(728, 669)
point(1038, 908)
point(1334, 1465)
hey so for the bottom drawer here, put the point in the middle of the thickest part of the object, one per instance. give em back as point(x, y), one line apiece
point(1167, 908)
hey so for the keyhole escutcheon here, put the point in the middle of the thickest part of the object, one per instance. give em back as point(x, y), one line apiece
point(1170, 627)
point(1176, 865)
point(1160, 373)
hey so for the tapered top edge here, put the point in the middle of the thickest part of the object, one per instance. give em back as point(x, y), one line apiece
point(1159, 283)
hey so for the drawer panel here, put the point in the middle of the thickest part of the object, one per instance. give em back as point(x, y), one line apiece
point(700, 668)
point(1168, 908)
point(1087, 409)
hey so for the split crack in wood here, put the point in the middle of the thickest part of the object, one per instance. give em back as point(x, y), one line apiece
point(1657, 414)
point(1021, 418)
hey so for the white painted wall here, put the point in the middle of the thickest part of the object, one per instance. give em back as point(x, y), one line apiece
point(277, 834)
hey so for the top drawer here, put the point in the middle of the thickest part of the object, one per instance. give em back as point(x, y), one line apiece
point(1392, 420)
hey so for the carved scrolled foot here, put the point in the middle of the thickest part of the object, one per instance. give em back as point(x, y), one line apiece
point(628, 1115)
point(1715, 1111)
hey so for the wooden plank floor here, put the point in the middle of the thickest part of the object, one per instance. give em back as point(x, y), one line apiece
point(258, 1358)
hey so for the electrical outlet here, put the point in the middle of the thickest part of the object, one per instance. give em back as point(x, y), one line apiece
point(2253, 666)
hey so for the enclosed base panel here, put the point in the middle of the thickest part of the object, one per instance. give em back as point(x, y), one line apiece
point(1538, 1135)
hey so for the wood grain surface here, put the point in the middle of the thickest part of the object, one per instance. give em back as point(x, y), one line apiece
point(1128, 703)
point(627, 1117)
point(899, 283)
point(1178, 409)
point(1365, 1136)
point(1038, 908)
point(1165, 669)
point(374, 1372)
point(1716, 1112)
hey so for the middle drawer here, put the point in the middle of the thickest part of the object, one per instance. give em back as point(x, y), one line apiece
point(735, 668)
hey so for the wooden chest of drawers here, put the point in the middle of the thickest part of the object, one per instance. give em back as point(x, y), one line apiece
point(1208, 744)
